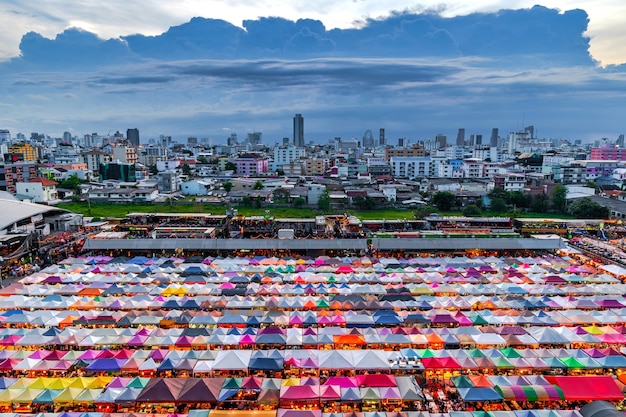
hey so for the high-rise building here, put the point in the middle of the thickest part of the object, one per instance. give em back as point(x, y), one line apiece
point(531, 131)
point(232, 140)
point(254, 138)
point(368, 139)
point(133, 136)
point(620, 141)
point(442, 140)
point(5, 135)
point(460, 137)
point(479, 140)
point(67, 137)
point(298, 130)
point(382, 139)
point(493, 142)
point(401, 142)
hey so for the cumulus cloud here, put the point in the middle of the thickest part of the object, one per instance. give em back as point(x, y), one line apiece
point(416, 72)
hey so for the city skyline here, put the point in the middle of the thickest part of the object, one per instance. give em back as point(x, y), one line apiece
point(416, 73)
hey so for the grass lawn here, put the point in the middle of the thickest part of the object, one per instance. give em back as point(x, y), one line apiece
point(121, 210)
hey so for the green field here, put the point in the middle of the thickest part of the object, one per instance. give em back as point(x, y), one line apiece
point(103, 210)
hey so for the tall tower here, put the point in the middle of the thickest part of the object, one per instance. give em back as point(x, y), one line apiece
point(382, 140)
point(442, 140)
point(493, 142)
point(133, 136)
point(298, 130)
point(460, 137)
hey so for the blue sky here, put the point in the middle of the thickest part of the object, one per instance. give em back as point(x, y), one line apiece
point(346, 66)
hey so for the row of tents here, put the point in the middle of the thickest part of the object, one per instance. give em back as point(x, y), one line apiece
point(148, 362)
point(274, 391)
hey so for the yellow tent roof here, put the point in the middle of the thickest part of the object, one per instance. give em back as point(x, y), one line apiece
point(27, 396)
point(60, 383)
point(88, 395)
point(68, 395)
point(7, 395)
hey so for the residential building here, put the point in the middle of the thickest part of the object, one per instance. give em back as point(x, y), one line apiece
point(251, 165)
point(472, 168)
point(510, 181)
point(11, 174)
point(27, 151)
point(124, 153)
point(168, 182)
point(284, 155)
point(410, 167)
point(123, 195)
point(94, 158)
point(417, 150)
point(66, 153)
point(608, 151)
point(39, 190)
point(315, 166)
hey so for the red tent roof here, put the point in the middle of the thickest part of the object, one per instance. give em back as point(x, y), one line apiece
point(587, 387)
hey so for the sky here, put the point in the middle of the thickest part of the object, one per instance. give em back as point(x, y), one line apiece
point(207, 68)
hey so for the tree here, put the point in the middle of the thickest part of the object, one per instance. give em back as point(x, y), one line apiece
point(472, 210)
point(497, 193)
point(72, 183)
point(363, 203)
point(227, 186)
point(281, 195)
point(246, 201)
point(423, 211)
point(186, 170)
point(298, 202)
point(258, 201)
point(518, 199)
point(323, 201)
point(230, 166)
point(559, 198)
point(585, 208)
point(498, 205)
point(153, 169)
point(539, 203)
point(444, 200)
point(258, 185)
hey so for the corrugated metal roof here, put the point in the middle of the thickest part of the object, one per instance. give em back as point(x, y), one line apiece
point(13, 211)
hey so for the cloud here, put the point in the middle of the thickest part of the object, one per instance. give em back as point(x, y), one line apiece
point(546, 35)
point(415, 72)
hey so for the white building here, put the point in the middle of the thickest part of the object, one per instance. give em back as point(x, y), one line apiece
point(196, 187)
point(39, 190)
point(284, 155)
point(411, 167)
point(472, 168)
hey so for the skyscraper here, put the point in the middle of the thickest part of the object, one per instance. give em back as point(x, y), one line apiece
point(493, 142)
point(368, 139)
point(298, 130)
point(442, 140)
point(133, 136)
point(382, 139)
point(460, 137)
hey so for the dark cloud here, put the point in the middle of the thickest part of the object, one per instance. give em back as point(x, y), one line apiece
point(73, 49)
point(539, 35)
